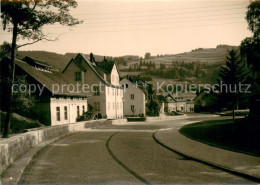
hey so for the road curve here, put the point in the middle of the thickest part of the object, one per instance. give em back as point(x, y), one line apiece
point(119, 155)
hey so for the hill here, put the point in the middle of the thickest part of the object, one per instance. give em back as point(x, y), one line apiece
point(208, 55)
point(199, 65)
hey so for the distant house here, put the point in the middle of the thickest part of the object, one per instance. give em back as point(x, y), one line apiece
point(185, 101)
point(134, 98)
point(53, 105)
point(170, 104)
point(101, 79)
point(182, 102)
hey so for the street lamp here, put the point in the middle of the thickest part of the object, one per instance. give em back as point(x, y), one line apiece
point(123, 100)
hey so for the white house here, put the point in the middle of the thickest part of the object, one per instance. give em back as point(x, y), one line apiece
point(100, 83)
point(134, 99)
point(53, 106)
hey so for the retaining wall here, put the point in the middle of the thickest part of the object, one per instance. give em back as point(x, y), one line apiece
point(14, 147)
point(164, 117)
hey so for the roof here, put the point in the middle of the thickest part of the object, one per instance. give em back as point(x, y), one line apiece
point(96, 72)
point(48, 79)
point(106, 66)
point(184, 96)
point(163, 93)
point(170, 96)
point(72, 60)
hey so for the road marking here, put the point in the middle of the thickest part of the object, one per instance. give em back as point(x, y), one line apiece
point(122, 164)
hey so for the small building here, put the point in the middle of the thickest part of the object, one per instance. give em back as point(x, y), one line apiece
point(53, 106)
point(170, 104)
point(181, 102)
point(134, 99)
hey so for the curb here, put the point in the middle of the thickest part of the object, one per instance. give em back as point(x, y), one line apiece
point(235, 172)
point(14, 172)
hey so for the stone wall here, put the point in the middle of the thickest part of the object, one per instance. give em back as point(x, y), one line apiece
point(14, 147)
point(164, 117)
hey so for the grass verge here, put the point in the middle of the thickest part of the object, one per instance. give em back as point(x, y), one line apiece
point(238, 135)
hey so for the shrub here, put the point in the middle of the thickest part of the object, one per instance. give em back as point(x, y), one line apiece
point(19, 125)
point(85, 116)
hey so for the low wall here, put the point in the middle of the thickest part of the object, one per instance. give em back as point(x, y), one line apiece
point(164, 117)
point(117, 121)
point(14, 147)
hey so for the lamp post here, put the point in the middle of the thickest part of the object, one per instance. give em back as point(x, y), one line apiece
point(123, 100)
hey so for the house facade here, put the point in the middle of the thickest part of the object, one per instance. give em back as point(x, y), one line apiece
point(53, 106)
point(181, 102)
point(99, 81)
point(134, 99)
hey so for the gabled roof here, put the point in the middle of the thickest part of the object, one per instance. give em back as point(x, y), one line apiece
point(73, 60)
point(128, 81)
point(48, 79)
point(93, 68)
point(170, 96)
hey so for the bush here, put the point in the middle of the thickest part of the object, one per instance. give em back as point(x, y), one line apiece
point(18, 125)
point(141, 115)
point(86, 116)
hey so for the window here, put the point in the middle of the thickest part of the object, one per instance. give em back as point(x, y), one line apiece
point(96, 91)
point(66, 113)
point(117, 92)
point(113, 93)
point(117, 106)
point(78, 111)
point(126, 85)
point(132, 96)
point(58, 113)
point(132, 107)
point(96, 106)
point(77, 76)
point(83, 109)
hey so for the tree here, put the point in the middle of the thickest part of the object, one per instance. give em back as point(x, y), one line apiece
point(25, 19)
point(253, 18)
point(231, 75)
point(250, 54)
point(91, 57)
point(147, 56)
point(5, 49)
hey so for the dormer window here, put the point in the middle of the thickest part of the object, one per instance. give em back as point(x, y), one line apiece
point(77, 76)
point(42, 68)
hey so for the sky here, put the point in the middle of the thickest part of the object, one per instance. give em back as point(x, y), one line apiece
point(134, 27)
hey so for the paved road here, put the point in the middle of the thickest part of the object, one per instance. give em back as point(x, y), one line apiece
point(120, 155)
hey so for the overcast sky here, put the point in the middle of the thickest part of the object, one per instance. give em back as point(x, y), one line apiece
point(116, 28)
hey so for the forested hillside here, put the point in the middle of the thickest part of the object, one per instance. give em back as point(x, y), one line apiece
point(199, 65)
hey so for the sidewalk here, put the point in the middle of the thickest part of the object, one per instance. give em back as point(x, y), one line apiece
point(238, 163)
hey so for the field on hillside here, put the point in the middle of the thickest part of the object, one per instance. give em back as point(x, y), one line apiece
point(210, 56)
